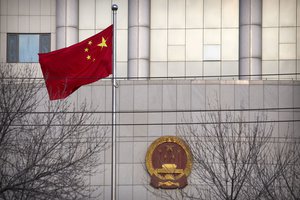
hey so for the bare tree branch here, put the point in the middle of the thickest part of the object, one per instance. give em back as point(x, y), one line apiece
point(44, 155)
point(234, 160)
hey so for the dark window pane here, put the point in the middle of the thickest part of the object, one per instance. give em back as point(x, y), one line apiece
point(44, 43)
point(28, 48)
point(12, 48)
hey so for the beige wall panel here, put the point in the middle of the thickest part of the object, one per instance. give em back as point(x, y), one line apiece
point(230, 44)
point(122, 45)
point(176, 69)
point(176, 14)
point(12, 24)
point(298, 12)
point(3, 7)
point(2, 47)
point(212, 14)
point(270, 67)
point(176, 37)
point(287, 51)
point(159, 14)
point(230, 68)
point(121, 69)
point(287, 67)
point(230, 13)
point(288, 10)
point(86, 14)
point(158, 69)
point(158, 45)
point(35, 7)
point(24, 6)
point(212, 69)
point(194, 45)
point(298, 43)
point(35, 24)
point(24, 22)
point(176, 53)
point(12, 7)
point(288, 35)
point(53, 7)
point(270, 44)
point(193, 68)
point(270, 10)
point(3, 23)
point(103, 14)
point(45, 24)
point(53, 24)
point(194, 13)
point(46, 7)
point(212, 36)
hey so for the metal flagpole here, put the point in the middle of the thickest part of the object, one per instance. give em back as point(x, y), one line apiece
point(114, 85)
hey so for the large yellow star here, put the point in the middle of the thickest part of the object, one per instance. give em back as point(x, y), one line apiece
point(103, 43)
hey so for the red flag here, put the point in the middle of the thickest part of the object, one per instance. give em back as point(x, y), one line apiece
point(65, 70)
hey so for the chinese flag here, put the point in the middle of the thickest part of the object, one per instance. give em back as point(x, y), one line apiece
point(65, 70)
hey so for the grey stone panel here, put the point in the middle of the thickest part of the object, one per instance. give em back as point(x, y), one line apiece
point(140, 97)
point(169, 96)
point(155, 97)
point(139, 175)
point(197, 96)
point(271, 95)
point(125, 172)
point(212, 95)
point(126, 98)
point(241, 96)
point(256, 95)
point(125, 152)
point(159, 102)
point(125, 192)
point(227, 96)
point(184, 96)
point(139, 192)
point(139, 151)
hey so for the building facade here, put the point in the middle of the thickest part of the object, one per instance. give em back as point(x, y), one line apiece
point(174, 58)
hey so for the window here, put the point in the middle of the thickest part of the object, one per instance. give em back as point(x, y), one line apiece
point(212, 52)
point(25, 47)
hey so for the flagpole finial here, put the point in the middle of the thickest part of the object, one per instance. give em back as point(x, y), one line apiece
point(114, 7)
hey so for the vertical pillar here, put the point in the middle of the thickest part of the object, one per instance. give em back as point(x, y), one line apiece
point(250, 39)
point(67, 20)
point(138, 38)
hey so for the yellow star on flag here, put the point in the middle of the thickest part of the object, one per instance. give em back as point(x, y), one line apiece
point(88, 57)
point(86, 49)
point(90, 42)
point(103, 43)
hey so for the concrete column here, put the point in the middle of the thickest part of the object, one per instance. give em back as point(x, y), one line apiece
point(250, 39)
point(138, 38)
point(67, 20)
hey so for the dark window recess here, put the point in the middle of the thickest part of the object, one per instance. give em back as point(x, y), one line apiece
point(24, 48)
point(12, 48)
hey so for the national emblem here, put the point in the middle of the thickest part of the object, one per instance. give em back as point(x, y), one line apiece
point(169, 162)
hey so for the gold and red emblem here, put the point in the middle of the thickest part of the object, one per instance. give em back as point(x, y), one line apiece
point(169, 162)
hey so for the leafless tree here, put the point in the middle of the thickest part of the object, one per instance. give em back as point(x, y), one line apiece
point(238, 159)
point(46, 148)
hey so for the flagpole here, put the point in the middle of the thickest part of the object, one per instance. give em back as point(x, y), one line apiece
point(114, 85)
